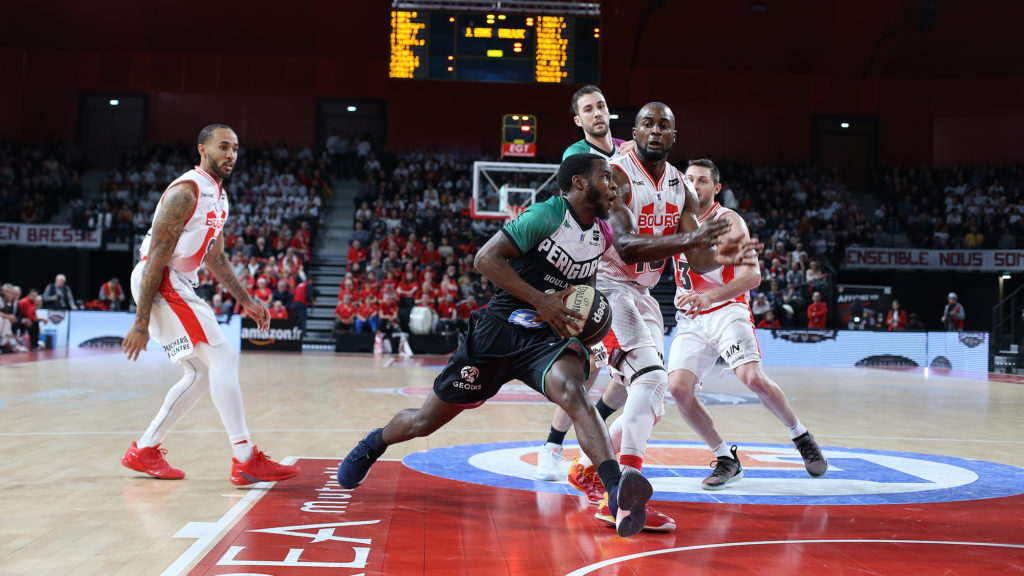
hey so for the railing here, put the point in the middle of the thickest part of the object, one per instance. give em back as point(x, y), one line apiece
point(1004, 325)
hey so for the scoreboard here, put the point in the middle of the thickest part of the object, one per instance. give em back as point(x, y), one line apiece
point(495, 47)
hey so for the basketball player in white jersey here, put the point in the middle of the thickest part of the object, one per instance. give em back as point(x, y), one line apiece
point(590, 112)
point(186, 233)
point(654, 219)
point(714, 319)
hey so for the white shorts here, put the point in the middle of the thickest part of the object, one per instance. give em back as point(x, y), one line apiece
point(636, 318)
point(727, 332)
point(179, 319)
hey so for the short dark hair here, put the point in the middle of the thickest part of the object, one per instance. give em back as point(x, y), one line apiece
point(588, 89)
point(575, 165)
point(207, 132)
point(705, 163)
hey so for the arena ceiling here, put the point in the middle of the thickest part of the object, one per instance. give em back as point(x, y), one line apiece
point(865, 38)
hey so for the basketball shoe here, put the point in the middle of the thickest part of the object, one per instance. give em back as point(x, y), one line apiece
point(549, 463)
point(655, 522)
point(628, 502)
point(259, 468)
point(356, 466)
point(587, 481)
point(150, 460)
point(726, 470)
point(814, 460)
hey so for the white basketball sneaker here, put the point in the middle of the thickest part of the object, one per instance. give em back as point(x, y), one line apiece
point(550, 464)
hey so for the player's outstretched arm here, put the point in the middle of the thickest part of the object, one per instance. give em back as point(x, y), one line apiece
point(492, 261)
point(176, 208)
point(747, 276)
point(634, 247)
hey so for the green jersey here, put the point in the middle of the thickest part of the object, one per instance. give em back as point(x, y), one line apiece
point(556, 252)
point(584, 147)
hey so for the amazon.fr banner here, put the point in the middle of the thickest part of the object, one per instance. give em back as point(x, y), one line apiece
point(913, 259)
point(284, 335)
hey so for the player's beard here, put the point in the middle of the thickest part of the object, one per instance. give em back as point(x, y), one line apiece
point(594, 198)
point(221, 174)
point(653, 155)
point(599, 133)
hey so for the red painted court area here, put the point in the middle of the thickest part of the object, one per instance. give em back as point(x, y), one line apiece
point(402, 522)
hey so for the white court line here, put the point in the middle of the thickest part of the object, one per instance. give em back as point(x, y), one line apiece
point(602, 564)
point(207, 533)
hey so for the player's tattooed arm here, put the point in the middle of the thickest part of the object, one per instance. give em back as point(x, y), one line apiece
point(178, 204)
point(175, 209)
point(219, 265)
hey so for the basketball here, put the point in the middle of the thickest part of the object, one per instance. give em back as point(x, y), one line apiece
point(594, 307)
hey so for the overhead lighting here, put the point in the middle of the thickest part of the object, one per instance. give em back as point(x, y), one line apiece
point(613, 117)
point(844, 124)
point(351, 108)
point(114, 102)
point(1005, 276)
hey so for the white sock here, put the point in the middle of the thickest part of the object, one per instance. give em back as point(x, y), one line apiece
point(242, 450)
point(796, 430)
point(585, 460)
point(551, 446)
point(722, 450)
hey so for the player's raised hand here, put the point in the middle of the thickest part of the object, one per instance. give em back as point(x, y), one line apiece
point(711, 233)
point(737, 251)
point(561, 319)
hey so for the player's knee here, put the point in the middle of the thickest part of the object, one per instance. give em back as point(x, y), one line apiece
point(683, 390)
point(651, 383)
point(754, 378)
point(571, 396)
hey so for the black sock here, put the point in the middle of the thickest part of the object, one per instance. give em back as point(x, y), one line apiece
point(603, 409)
point(610, 474)
point(557, 436)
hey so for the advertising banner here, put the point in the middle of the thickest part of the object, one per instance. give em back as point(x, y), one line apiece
point(914, 259)
point(285, 335)
point(48, 235)
point(854, 302)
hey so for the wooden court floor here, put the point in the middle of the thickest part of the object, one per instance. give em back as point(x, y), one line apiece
point(926, 478)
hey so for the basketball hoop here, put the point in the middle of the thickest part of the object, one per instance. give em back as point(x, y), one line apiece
point(514, 211)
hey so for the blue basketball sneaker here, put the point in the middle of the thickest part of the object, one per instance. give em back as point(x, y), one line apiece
point(354, 468)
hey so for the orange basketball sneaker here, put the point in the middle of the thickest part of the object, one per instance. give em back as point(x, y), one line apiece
point(259, 468)
point(656, 521)
point(586, 480)
point(150, 460)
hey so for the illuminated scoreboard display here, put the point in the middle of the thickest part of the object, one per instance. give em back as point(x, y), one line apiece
point(495, 47)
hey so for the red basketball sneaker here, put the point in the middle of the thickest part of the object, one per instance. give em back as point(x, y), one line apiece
point(586, 480)
point(656, 521)
point(259, 468)
point(150, 460)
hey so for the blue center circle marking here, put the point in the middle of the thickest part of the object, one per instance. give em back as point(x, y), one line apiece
point(773, 474)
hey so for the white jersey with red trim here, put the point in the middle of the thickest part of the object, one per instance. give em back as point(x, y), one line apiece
point(689, 281)
point(655, 206)
point(202, 228)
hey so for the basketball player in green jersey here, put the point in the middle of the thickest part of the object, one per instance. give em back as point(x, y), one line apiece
point(526, 333)
point(590, 112)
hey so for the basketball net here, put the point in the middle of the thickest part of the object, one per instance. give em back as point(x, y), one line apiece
point(514, 211)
